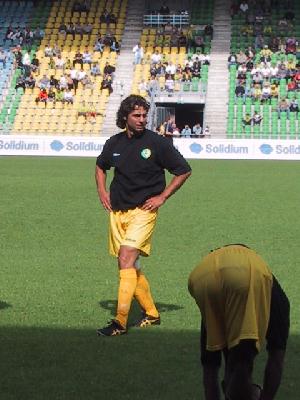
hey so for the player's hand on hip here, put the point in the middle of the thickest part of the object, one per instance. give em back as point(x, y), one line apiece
point(153, 203)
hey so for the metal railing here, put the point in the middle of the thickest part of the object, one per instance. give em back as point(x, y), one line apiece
point(162, 19)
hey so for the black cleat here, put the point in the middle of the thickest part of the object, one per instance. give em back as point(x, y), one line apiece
point(114, 328)
point(148, 320)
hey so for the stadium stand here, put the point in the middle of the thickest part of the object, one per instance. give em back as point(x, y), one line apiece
point(264, 90)
point(79, 111)
point(90, 108)
point(176, 54)
point(20, 25)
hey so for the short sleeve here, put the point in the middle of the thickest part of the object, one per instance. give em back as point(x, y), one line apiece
point(104, 159)
point(171, 159)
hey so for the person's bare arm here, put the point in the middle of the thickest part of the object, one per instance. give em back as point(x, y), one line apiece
point(100, 176)
point(273, 374)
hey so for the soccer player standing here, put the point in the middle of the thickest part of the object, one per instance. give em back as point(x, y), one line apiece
point(241, 305)
point(138, 189)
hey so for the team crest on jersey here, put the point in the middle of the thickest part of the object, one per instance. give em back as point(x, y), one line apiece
point(146, 153)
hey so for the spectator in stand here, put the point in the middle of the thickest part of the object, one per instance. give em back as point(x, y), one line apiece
point(81, 75)
point(87, 83)
point(42, 97)
point(241, 57)
point(265, 70)
point(241, 72)
point(294, 107)
point(266, 91)
point(273, 71)
point(115, 46)
point(232, 60)
point(197, 130)
point(109, 69)
point(282, 72)
point(138, 52)
point(78, 59)
point(199, 42)
point(82, 110)
point(257, 77)
point(171, 69)
point(59, 95)
point(56, 50)
point(247, 120)
point(44, 82)
point(95, 69)
point(291, 86)
point(169, 84)
point(51, 96)
point(51, 63)
point(206, 131)
point(265, 54)
point(256, 92)
point(20, 82)
point(71, 29)
point(53, 83)
point(35, 63)
point(107, 83)
point(186, 132)
point(74, 76)
point(259, 42)
point(143, 87)
point(168, 128)
point(78, 30)
point(274, 90)
point(30, 82)
point(68, 97)
point(87, 29)
point(176, 131)
point(70, 83)
point(156, 57)
point(182, 40)
point(63, 29)
point(48, 51)
point(105, 17)
point(113, 18)
point(283, 106)
point(274, 44)
point(38, 33)
point(153, 86)
point(297, 78)
point(87, 57)
point(99, 44)
point(240, 91)
point(60, 63)
point(256, 118)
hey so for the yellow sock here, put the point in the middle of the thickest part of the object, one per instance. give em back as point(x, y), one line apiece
point(143, 295)
point(127, 286)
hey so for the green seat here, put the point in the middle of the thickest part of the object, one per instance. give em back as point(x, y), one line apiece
point(186, 86)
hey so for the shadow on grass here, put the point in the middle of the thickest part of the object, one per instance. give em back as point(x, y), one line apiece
point(111, 305)
point(4, 305)
point(150, 364)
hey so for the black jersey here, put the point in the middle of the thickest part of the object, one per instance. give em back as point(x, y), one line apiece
point(140, 163)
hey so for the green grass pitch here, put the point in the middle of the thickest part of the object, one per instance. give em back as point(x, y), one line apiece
point(58, 283)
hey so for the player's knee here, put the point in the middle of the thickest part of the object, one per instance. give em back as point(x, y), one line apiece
point(127, 258)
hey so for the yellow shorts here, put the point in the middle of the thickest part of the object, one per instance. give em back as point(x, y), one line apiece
point(232, 287)
point(132, 228)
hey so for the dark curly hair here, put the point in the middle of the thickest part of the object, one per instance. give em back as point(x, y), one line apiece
point(128, 105)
